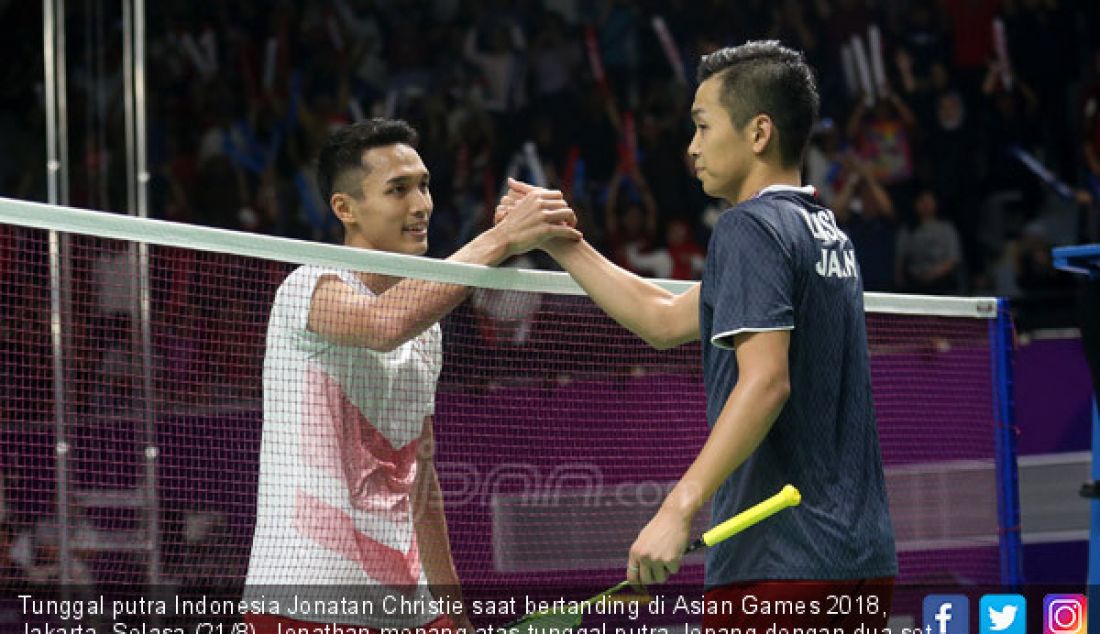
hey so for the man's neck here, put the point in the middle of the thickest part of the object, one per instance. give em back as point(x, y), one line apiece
point(377, 283)
point(766, 176)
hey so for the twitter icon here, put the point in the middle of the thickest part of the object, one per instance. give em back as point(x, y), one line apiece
point(1002, 614)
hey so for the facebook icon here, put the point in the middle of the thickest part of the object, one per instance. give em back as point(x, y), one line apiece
point(946, 614)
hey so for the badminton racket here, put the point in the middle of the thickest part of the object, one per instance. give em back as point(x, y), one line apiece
point(565, 619)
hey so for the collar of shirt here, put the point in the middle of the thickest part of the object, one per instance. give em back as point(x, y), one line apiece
point(809, 190)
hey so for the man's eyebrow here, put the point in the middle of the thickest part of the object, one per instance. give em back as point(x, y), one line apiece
point(695, 112)
point(400, 178)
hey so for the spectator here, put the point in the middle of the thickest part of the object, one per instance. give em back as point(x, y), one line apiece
point(865, 211)
point(618, 23)
point(845, 18)
point(1037, 50)
point(555, 59)
point(923, 39)
point(367, 41)
point(824, 162)
point(597, 135)
point(631, 223)
point(503, 75)
point(1033, 265)
point(506, 321)
point(792, 26)
point(507, 316)
point(1012, 119)
point(661, 148)
point(1090, 127)
point(954, 172)
point(687, 256)
point(881, 137)
point(971, 36)
point(929, 255)
point(923, 92)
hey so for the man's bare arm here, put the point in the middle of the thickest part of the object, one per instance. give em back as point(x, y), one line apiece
point(385, 321)
point(659, 316)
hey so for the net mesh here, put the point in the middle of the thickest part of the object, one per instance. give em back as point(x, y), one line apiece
point(557, 433)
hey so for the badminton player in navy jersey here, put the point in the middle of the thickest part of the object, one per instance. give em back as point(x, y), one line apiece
point(780, 314)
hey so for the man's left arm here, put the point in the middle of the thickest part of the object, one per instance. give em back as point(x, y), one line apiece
point(752, 407)
point(431, 529)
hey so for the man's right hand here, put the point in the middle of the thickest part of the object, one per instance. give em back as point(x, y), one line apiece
point(528, 217)
point(516, 191)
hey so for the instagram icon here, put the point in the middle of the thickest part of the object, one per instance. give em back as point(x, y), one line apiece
point(1065, 614)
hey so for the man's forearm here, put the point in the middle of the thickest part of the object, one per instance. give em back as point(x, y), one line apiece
point(431, 534)
point(649, 311)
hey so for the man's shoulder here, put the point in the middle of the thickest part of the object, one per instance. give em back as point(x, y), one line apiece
point(779, 213)
point(297, 275)
point(307, 275)
point(776, 201)
point(310, 270)
point(751, 211)
point(296, 291)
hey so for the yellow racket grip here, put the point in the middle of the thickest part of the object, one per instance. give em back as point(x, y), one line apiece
point(788, 496)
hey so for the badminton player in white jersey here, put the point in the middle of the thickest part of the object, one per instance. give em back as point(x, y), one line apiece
point(349, 505)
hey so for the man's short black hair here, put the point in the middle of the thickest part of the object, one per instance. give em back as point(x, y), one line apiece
point(765, 77)
point(343, 152)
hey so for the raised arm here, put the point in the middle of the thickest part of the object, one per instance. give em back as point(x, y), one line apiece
point(611, 206)
point(659, 316)
point(842, 204)
point(855, 121)
point(649, 203)
point(878, 192)
point(385, 321)
point(470, 49)
point(904, 111)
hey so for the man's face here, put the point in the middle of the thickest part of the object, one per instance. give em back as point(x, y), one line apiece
point(391, 213)
point(926, 206)
point(721, 154)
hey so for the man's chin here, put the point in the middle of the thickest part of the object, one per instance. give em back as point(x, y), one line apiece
point(713, 190)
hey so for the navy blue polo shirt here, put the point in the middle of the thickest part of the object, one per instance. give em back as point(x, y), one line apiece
point(779, 262)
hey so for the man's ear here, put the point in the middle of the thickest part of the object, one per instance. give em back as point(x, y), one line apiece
point(341, 205)
point(762, 132)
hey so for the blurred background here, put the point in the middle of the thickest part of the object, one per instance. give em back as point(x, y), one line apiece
point(241, 94)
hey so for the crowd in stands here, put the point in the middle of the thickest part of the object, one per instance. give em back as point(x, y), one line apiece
point(592, 96)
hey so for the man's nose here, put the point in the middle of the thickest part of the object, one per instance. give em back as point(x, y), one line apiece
point(421, 202)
